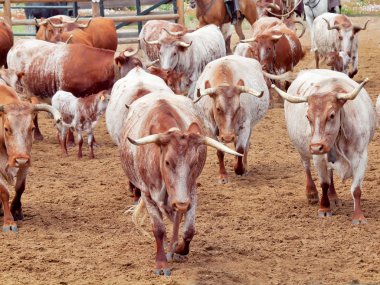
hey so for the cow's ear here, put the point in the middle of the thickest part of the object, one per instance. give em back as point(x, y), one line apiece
point(120, 61)
point(241, 83)
point(194, 128)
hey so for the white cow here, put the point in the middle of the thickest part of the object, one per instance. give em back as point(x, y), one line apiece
point(227, 92)
point(134, 85)
point(333, 125)
point(314, 8)
point(190, 52)
point(332, 32)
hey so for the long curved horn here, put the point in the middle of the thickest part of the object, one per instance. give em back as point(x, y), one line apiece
point(245, 89)
point(329, 27)
point(205, 92)
point(219, 146)
point(248, 40)
point(354, 93)
point(35, 20)
point(149, 64)
point(288, 97)
point(55, 25)
point(174, 34)
point(130, 53)
point(69, 39)
point(287, 76)
point(276, 37)
point(184, 44)
point(70, 22)
point(156, 42)
point(145, 140)
point(303, 28)
point(357, 28)
point(47, 108)
point(85, 25)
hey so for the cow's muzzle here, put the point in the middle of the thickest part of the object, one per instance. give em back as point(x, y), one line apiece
point(19, 161)
point(181, 206)
point(227, 138)
point(319, 148)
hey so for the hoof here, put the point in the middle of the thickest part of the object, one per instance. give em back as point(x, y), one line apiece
point(179, 257)
point(324, 213)
point(70, 144)
point(337, 203)
point(38, 137)
point(12, 228)
point(357, 222)
point(159, 272)
point(312, 198)
point(18, 215)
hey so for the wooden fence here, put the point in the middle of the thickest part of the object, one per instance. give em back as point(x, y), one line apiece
point(141, 16)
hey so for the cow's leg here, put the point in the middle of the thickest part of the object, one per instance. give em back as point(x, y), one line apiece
point(62, 140)
point(174, 240)
point(359, 164)
point(311, 189)
point(316, 55)
point(239, 30)
point(323, 172)
point(242, 146)
point(355, 62)
point(223, 177)
point(1, 209)
point(135, 192)
point(16, 208)
point(70, 138)
point(228, 45)
point(37, 133)
point(80, 144)
point(183, 247)
point(90, 138)
point(333, 197)
point(158, 227)
point(9, 223)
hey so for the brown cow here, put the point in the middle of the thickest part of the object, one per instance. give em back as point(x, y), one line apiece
point(174, 79)
point(48, 67)
point(6, 42)
point(163, 151)
point(16, 139)
point(97, 32)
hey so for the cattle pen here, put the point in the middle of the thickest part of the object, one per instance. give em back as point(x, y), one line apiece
point(98, 9)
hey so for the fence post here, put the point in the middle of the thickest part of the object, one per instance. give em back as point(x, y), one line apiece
point(95, 8)
point(181, 10)
point(7, 12)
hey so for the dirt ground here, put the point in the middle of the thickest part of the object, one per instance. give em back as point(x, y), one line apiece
point(257, 229)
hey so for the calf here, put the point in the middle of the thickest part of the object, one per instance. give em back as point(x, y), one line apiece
point(338, 61)
point(226, 94)
point(331, 119)
point(163, 151)
point(175, 80)
point(82, 114)
point(332, 32)
point(16, 138)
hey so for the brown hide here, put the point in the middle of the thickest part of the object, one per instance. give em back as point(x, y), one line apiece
point(6, 42)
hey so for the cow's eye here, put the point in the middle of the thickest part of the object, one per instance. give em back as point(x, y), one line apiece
point(307, 117)
point(218, 110)
point(167, 163)
point(175, 54)
point(340, 38)
point(332, 116)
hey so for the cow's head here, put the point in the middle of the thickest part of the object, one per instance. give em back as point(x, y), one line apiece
point(346, 33)
point(174, 79)
point(339, 61)
point(11, 78)
point(263, 49)
point(127, 60)
point(182, 157)
point(172, 46)
point(324, 111)
point(103, 98)
point(246, 50)
point(226, 107)
point(17, 128)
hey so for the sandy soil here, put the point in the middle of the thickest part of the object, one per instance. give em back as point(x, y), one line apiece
point(257, 229)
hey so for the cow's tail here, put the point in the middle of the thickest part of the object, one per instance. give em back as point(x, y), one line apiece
point(138, 216)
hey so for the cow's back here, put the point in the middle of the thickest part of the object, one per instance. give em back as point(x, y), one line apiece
point(6, 42)
point(135, 84)
point(103, 33)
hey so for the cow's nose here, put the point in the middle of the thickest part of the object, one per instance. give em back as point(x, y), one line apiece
point(227, 138)
point(181, 206)
point(21, 161)
point(318, 148)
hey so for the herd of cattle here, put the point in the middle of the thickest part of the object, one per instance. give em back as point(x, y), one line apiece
point(186, 95)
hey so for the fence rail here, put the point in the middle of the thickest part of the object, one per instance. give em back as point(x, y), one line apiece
point(98, 11)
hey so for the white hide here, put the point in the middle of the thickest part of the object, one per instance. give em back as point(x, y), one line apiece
point(254, 108)
point(314, 8)
point(357, 126)
point(123, 93)
point(378, 111)
point(207, 44)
